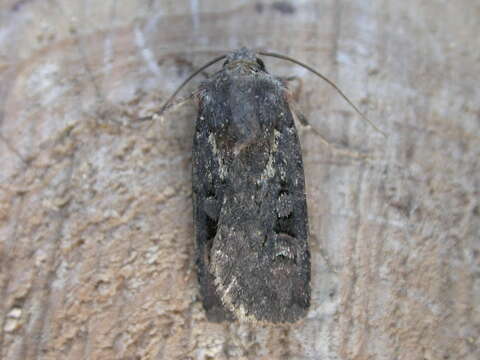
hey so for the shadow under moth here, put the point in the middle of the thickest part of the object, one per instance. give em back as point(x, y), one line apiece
point(249, 204)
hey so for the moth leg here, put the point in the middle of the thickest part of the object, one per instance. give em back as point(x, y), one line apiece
point(293, 97)
point(295, 93)
point(335, 149)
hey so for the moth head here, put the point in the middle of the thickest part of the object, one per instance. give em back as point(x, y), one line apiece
point(247, 62)
point(244, 60)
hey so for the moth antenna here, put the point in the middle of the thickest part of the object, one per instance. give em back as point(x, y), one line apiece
point(195, 73)
point(331, 83)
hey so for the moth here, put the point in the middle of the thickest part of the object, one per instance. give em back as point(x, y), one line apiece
point(249, 204)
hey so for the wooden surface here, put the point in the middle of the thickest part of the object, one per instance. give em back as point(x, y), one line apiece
point(96, 238)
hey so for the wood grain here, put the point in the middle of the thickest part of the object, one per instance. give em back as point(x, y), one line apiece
point(96, 238)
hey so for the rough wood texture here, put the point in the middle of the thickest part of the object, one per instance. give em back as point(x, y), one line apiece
point(96, 226)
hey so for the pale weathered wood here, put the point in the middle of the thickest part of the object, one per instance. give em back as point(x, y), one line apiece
point(95, 208)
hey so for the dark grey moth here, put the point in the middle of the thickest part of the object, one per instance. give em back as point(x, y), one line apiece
point(250, 211)
point(249, 205)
